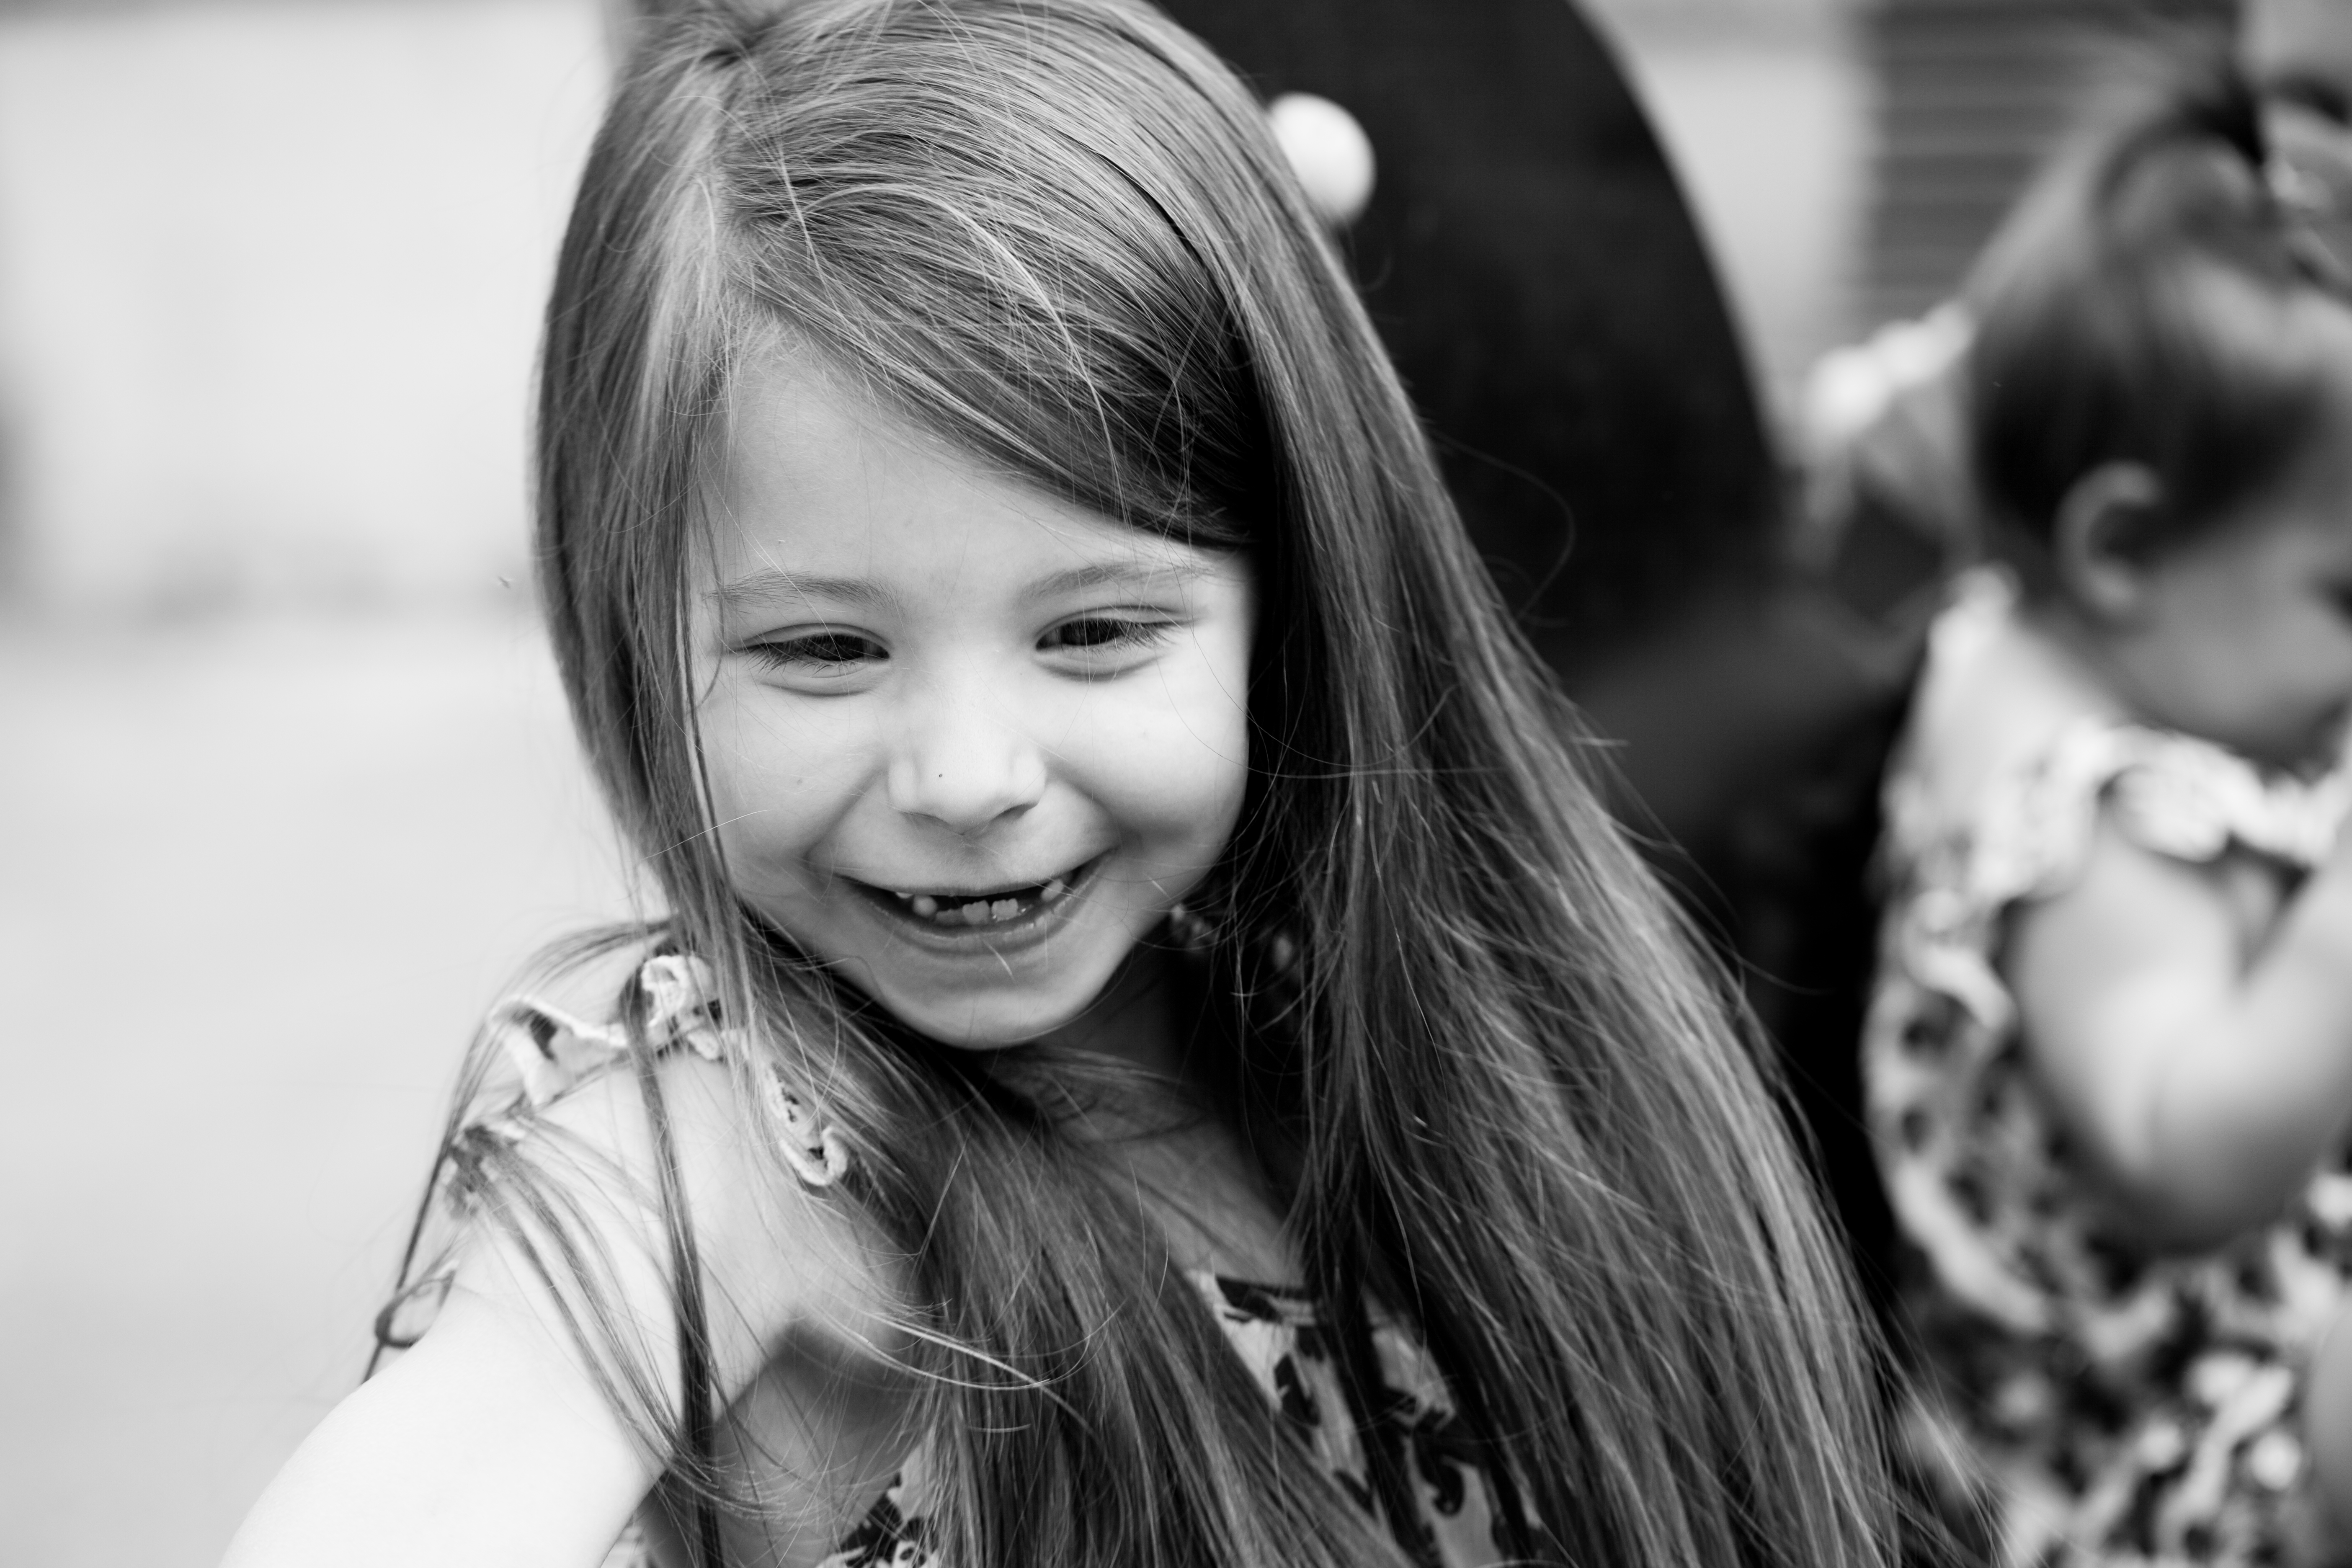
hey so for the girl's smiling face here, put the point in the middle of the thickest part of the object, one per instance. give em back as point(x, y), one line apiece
point(964, 740)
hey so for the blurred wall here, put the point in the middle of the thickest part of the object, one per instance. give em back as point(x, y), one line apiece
point(1972, 95)
point(287, 793)
point(1766, 107)
point(269, 272)
point(268, 281)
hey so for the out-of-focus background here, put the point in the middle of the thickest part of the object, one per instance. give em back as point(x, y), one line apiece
point(285, 790)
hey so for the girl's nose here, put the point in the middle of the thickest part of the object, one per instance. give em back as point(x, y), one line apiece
point(965, 764)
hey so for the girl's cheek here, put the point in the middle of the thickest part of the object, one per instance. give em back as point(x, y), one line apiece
point(1183, 771)
point(781, 770)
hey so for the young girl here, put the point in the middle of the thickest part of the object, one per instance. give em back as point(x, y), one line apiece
point(1155, 1057)
point(2109, 1061)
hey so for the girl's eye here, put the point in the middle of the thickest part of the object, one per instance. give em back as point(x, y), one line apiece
point(818, 652)
point(1102, 634)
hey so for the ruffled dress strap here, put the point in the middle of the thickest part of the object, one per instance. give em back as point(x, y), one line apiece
point(676, 998)
point(2174, 794)
point(532, 1053)
point(553, 1052)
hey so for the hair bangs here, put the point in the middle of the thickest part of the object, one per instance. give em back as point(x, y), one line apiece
point(994, 256)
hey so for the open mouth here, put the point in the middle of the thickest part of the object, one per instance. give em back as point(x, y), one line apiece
point(957, 909)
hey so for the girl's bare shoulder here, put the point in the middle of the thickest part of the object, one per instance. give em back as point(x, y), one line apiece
point(786, 1270)
point(675, 1114)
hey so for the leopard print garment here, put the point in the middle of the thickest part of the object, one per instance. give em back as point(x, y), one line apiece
point(2099, 1403)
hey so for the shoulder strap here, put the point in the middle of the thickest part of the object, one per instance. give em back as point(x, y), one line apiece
point(2174, 794)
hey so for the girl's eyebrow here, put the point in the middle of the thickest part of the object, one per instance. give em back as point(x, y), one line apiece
point(1119, 573)
point(770, 584)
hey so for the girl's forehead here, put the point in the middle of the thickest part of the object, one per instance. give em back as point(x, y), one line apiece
point(815, 482)
point(792, 428)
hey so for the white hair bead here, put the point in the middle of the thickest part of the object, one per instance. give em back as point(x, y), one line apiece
point(1329, 154)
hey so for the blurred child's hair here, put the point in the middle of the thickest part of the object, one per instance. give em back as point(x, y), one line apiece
point(2136, 308)
point(1507, 1104)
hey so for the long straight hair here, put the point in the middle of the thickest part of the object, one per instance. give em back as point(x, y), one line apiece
point(1056, 234)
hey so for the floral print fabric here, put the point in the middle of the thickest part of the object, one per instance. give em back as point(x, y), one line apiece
point(2104, 1404)
point(1289, 1349)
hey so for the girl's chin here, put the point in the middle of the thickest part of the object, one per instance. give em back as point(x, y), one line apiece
point(988, 1006)
point(990, 1024)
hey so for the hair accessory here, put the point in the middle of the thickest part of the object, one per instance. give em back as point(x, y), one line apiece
point(816, 1150)
point(1327, 150)
point(2307, 171)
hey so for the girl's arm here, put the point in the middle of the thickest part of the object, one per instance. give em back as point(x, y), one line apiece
point(490, 1442)
point(2204, 1081)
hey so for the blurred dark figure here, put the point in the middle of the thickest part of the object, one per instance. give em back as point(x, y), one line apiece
point(1535, 272)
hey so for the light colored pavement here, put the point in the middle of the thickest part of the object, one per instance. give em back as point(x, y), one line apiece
point(257, 880)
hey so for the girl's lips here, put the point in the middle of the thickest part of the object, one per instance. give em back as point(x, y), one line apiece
point(988, 915)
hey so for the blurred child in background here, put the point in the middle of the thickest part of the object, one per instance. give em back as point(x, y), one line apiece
point(2109, 1062)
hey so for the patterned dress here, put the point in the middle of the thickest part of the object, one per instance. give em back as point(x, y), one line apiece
point(1276, 1332)
point(1286, 1344)
point(2104, 1404)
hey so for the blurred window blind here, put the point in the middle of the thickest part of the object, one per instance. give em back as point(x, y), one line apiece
point(1971, 94)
